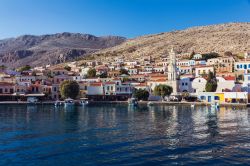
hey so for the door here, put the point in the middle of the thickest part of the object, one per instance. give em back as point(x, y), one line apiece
point(209, 99)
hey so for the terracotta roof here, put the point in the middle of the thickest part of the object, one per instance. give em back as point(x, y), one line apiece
point(159, 80)
point(229, 78)
point(58, 68)
point(110, 83)
point(137, 76)
point(95, 84)
point(203, 66)
point(6, 84)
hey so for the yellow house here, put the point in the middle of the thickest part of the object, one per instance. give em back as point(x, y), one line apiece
point(220, 97)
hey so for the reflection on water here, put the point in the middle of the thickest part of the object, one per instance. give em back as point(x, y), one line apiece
point(117, 134)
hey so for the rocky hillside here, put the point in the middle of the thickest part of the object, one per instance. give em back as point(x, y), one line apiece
point(52, 49)
point(234, 37)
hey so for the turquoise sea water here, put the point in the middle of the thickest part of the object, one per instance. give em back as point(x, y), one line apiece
point(118, 135)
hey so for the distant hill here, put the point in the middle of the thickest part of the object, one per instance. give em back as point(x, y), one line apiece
point(234, 37)
point(52, 49)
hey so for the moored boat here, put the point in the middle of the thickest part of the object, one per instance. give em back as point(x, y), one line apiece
point(132, 102)
point(150, 103)
point(69, 102)
point(58, 103)
point(32, 100)
point(83, 101)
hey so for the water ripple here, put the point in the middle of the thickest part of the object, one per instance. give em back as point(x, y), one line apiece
point(116, 135)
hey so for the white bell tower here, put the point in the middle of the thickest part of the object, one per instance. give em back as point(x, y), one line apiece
point(172, 71)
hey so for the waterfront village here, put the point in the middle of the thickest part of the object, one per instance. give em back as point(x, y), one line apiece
point(116, 80)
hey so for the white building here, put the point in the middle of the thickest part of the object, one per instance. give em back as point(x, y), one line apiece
point(203, 70)
point(224, 84)
point(197, 56)
point(185, 84)
point(132, 71)
point(199, 84)
point(242, 65)
point(95, 88)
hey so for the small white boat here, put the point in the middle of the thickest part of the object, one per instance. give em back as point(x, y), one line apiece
point(69, 102)
point(32, 100)
point(192, 105)
point(58, 103)
point(150, 103)
point(84, 101)
point(132, 102)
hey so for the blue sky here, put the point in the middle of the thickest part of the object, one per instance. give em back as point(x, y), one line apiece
point(129, 18)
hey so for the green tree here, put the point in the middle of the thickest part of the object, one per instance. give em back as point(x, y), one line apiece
point(103, 75)
point(211, 84)
point(163, 90)
point(91, 73)
point(141, 94)
point(240, 77)
point(191, 55)
point(124, 71)
point(67, 68)
point(2, 67)
point(49, 74)
point(228, 54)
point(69, 89)
point(33, 73)
point(210, 55)
point(24, 68)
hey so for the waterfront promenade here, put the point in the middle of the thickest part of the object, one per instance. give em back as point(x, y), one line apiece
point(140, 103)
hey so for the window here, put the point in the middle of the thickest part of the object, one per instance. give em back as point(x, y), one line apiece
point(6, 90)
point(203, 97)
point(183, 84)
point(245, 66)
point(11, 90)
point(241, 66)
point(216, 98)
point(54, 89)
point(186, 83)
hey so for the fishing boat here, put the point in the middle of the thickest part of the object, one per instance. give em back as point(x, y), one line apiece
point(69, 102)
point(132, 101)
point(84, 101)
